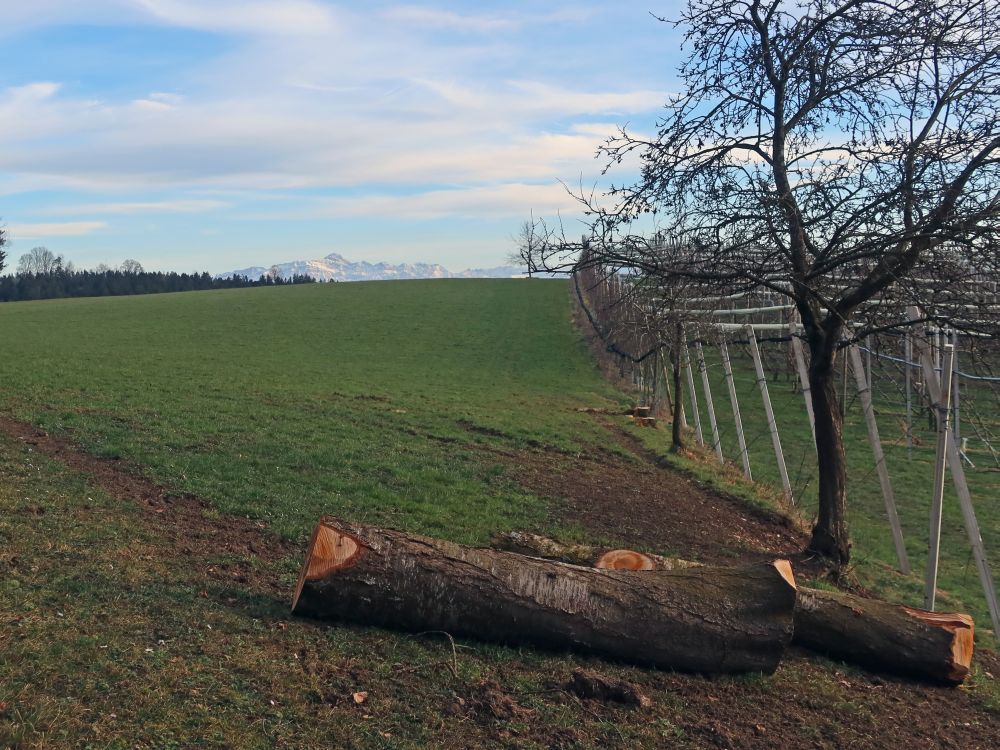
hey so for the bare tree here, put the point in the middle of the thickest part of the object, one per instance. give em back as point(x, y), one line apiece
point(843, 154)
point(528, 242)
point(3, 253)
point(39, 260)
point(131, 266)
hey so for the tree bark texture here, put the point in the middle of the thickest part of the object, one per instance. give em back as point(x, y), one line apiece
point(871, 633)
point(711, 620)
point(932, 646)
point(830, 535)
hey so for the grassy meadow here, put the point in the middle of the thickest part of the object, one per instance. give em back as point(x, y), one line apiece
point(130, 625)
point(284, 404)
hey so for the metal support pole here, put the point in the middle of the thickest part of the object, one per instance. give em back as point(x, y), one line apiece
point(800, 365)
point(908, 357)
point(865, 395)
point(955, 382)
point(710, 405)
point(961, 486)
point(937, 499)
point(741, 439)
point(695, 415)
point(769, 412)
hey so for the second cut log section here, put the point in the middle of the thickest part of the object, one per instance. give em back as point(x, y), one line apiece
point(713, 620)
point(932, 646)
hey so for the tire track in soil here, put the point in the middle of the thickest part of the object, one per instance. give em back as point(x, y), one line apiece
point(182, 525)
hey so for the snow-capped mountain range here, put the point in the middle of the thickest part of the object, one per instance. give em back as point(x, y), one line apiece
point(336, 267)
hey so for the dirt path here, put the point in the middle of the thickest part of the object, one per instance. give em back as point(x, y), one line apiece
point(641, 505)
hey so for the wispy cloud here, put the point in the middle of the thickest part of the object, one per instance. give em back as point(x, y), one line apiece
point(138, 207)
point(490, 201)
point(446, 19)
point(259, 17)
point(256, 17)
point(58, 229)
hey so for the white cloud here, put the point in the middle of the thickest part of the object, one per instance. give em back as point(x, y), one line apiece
point(148, 207)
point(257, 17)
point(292, 17)
point(492, 201)
point(37, 91)
point(59, 229)
point(444, 19)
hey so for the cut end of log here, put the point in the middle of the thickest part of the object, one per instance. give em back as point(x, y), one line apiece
point(625, 559)
point(962, 629)
point(329, 549)
point(784, 567)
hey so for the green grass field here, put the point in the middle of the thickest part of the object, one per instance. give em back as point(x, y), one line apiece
point(395, 403)
point(284, 404)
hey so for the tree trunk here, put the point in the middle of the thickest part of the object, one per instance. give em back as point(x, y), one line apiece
point(867, 632)
point(830, 536)
point(713, 620)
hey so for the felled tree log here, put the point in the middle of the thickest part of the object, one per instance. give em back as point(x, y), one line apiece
point(712, 620)
point(933, 646)
point(871, 633)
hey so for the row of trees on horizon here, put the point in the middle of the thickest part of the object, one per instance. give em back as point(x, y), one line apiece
point(41, 274)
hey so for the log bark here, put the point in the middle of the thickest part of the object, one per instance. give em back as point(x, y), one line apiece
point(711, 620)
point(931, 646)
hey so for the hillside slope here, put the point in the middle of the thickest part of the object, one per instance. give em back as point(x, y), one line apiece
point(163, 458)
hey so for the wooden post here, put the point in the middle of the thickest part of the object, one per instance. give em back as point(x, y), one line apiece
point(800, 365)
point(937, 499)
point(716, 440)
point(769, 412)
point(865, 395)
point(728, 369)
point(961, 486)
point(695, 414)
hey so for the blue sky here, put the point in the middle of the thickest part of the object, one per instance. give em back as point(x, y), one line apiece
point(212, 135)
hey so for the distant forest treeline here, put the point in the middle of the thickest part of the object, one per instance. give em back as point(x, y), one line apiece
point(110, 283)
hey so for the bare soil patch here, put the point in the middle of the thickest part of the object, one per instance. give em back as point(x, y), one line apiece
point(641, 505)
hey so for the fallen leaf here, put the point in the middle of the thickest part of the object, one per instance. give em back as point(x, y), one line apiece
point(360, 697)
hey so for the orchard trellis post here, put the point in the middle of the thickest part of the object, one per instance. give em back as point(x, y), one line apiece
point(709, 404)
point(954, 461)
point(937, 499)
point(689, 372)
point(740, 437)
point(800, 366)
point(865, 395)
point(769, 412)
